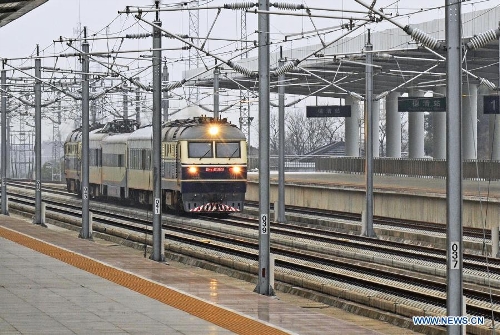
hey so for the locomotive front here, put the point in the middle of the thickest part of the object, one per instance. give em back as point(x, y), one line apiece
point(205, 165)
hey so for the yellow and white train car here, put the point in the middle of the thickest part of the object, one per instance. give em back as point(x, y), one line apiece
point(114, 165)
point(203, 164)
point(140, 173)
point(95, 161)
point(72, 161)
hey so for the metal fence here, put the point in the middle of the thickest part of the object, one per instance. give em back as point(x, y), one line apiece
point(423, 168)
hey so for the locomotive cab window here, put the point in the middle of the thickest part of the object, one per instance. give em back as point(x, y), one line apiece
point(227, 150)
point(200, 150)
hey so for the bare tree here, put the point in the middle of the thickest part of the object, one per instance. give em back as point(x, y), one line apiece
point(303, 135)
point(404, 132)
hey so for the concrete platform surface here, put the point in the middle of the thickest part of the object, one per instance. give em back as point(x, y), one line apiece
point(52, 282)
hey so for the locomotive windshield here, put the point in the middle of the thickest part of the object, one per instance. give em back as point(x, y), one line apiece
point(200, 149)
point(227, 150)
point(222, 150)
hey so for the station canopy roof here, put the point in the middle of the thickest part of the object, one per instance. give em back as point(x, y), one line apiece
point(11, 10)
point(397, 60)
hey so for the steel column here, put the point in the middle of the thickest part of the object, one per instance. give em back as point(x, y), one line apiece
point(281, 144)
point(216, 92)
point(454, 268)
point(264, 285)
point(157, 203)
point(367, 224)
point(85, 232)
point(4, 159)
point(38, 140)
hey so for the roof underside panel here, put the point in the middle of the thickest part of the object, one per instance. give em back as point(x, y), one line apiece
point(398, 62)
point(11, 10)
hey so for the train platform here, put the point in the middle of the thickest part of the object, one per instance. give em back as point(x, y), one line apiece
point(52, 282)
point(404, 184)
point(399, 197)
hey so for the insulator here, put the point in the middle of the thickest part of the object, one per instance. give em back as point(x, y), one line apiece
point(283, 5)
point(241, 5)
point(138, 35)
point(240, 69)
point(382, 95)
point(487, 83)
point(175, 84)
point(284, 69)
point(422, 37)
point(482, 39)
point(356, 95)
point(137, 83)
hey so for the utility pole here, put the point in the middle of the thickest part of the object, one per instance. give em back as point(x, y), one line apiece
point(245, 119)
point(157, 226)
point(367, 228)
point(216, 92)
point(125, 101)
point(5, 210)
point(454, 266)
point(38, 140)
point(85, 232)
point(138, 104)
point(264, 283)
point(56, 138)
point(281, 139)
point(194, 31)
point(165, 102)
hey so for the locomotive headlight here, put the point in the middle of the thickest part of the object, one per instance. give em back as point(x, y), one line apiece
point(193, 170)
point(213, 130)
point(236, 169)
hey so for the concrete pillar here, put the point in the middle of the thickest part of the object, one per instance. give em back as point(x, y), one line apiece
point(493, 125)
point(494, 241)
point(469, 121)
point(494, 136)
point(352, 128)
point(415, 129)
point(376, 129)
point(439, 129)
point(393, 125)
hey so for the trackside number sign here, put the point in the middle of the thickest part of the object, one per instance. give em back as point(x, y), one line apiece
point(264, 225)
point(454, 256)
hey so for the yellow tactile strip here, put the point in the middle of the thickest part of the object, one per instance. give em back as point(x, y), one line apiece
point(216, 315)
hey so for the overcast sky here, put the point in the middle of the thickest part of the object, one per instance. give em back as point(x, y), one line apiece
point(62, 18)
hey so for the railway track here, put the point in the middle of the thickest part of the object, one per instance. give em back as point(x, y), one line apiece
point(383, 221)
point(220, 237)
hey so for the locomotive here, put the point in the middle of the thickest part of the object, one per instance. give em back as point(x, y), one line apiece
point(203, 164)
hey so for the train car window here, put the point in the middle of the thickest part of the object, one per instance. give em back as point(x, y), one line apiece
point(91, 157)
point(148, 160)
point(143, 159)
point(200, 150)
point(120, 160)
point(227, 150)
